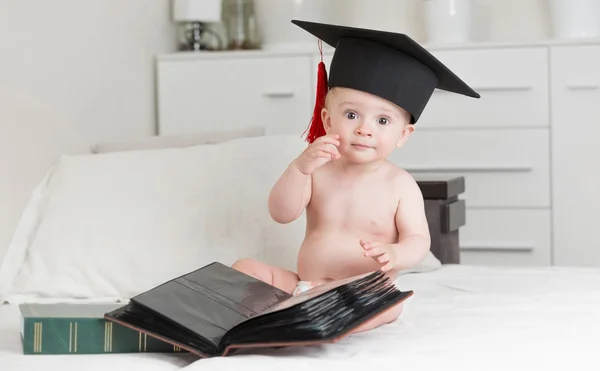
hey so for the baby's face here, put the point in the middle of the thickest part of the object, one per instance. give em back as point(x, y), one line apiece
point(370, 127)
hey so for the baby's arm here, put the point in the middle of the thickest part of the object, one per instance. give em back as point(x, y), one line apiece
point(414, 240)
point(290, 195)
point(292, 192)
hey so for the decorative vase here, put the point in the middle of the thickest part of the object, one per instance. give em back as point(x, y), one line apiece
point(447, 21)
point(573, 19)
point(383, 15)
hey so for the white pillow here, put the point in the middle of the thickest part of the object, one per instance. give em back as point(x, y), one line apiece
point(33, 135)
point(117, 224)
point(179, 140)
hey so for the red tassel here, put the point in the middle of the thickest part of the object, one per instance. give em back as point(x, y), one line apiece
point(316, 128)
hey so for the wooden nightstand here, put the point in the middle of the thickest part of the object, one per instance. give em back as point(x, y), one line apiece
point(446, 214)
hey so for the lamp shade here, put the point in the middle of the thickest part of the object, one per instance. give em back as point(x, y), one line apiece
point(197, 10)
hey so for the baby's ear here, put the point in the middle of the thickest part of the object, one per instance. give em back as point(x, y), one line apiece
point(406, 132)
point(326, 119)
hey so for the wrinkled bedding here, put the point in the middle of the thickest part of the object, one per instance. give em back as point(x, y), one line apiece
point(465, 318)
point(460, 318)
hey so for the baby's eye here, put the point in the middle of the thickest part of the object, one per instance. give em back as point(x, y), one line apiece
point(351, 115)
point(383, 121)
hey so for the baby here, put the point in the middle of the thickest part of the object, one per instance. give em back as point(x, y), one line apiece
point(363, 212)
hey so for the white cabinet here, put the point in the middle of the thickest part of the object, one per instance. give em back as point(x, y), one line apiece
point(576, 154)
point(231, 92)
point(505, 236)
point(526, 148)
point(502, 168)
point(513, 83)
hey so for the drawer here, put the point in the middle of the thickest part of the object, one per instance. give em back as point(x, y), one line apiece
point(506, 237)
point(575, 132)
point(513, 84)
point(230, 93)
point(502, 168)
point(575, 68)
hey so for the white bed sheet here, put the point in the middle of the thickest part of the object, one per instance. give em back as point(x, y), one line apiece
point(460, 318)
point(464, 318)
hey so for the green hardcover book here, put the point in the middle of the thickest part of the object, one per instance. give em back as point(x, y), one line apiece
point(82, 329)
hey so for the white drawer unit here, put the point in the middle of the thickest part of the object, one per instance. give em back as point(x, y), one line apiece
point(205, 93)
point(513, 83)
point(502, 168)
point(526, 148)
point(506, 237)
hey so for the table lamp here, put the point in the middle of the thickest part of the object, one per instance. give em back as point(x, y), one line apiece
point(195, 14)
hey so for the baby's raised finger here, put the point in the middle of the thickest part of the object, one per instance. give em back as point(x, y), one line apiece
point(329, 139)
point(373, 251)
point(367, 245)
point(328, 148)
point(383, 258)
point(323, 154)
point(387, 267)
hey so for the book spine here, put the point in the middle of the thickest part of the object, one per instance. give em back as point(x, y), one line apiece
point(86, 336)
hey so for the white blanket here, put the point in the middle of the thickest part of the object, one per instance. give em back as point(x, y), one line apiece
point(464, 318)
point(460, 318)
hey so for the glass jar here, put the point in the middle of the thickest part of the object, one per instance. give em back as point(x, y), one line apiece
point(241, 25)
point(277, 30)
point(448, 21)
point(574, 19)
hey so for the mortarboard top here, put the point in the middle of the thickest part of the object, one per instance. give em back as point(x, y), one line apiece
point(389, 65)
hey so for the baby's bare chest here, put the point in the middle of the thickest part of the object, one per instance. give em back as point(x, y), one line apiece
point(364, 206)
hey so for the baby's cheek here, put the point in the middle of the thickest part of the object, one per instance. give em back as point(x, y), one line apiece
point(343, 148)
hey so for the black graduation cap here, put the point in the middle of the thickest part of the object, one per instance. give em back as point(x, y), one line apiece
point(389, 65)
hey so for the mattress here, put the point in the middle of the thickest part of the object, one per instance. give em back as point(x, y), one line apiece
point(460, 318)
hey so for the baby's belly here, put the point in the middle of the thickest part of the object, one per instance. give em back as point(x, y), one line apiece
point(333, 255)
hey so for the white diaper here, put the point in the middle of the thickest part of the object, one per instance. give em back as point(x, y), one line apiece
point(303, 286)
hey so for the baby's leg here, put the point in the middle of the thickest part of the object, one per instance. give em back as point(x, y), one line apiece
point(275, 276)
point(386, 317)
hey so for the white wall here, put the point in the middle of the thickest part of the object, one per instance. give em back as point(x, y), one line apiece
point(92, 61)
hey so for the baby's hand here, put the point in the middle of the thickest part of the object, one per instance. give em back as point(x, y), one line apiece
point(318, 153)
point(382, 253)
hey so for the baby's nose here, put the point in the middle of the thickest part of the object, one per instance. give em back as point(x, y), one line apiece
point(363, 130)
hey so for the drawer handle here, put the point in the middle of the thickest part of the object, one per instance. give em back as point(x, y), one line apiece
point(498, 247)
point(583, 86)
point(279, 94)
point(468, 168)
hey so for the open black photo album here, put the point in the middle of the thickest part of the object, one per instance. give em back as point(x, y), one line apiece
point(216, 310)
